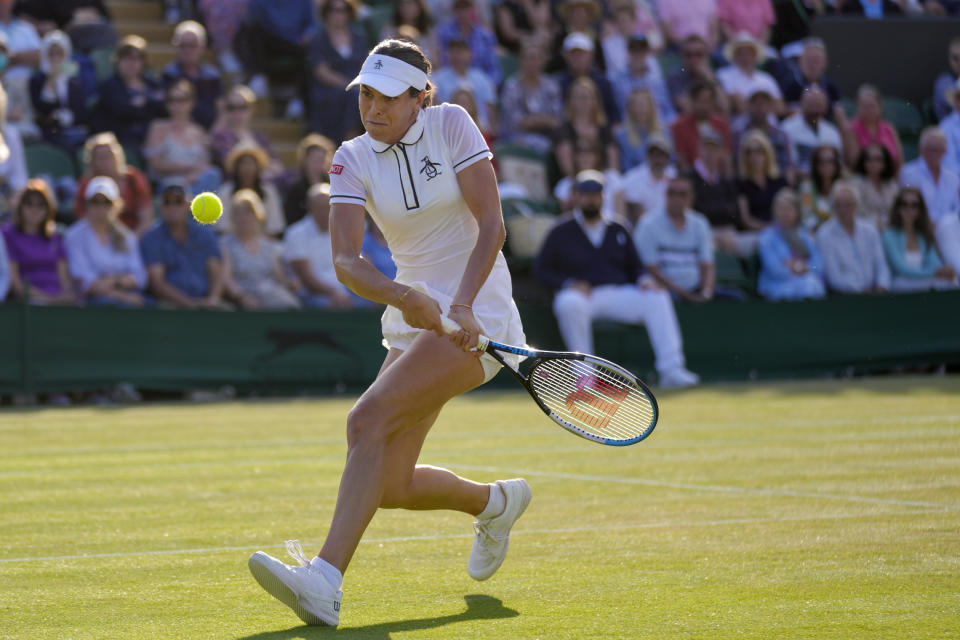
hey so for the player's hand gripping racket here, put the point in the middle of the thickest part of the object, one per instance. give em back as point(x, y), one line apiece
point(589, 396)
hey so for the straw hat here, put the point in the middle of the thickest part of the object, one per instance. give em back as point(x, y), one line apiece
point(744, 39)
point(593, 5)
point(247, 149)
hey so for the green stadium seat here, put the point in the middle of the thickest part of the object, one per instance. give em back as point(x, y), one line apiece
point(730, 271)
point(373, 23)
point(508, 65)
point(103, 62)
point(43, 158)
point(910, 147)
point(528, 221)
point(904, 116)
point(929, 115)
point(135, 157)
point(524, 166)
point(849, 106)
point(669, 62)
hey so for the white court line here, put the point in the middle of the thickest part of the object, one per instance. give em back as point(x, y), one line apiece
point(545, 431)
point(702, 487)
point(562, 530)
point(47, 471)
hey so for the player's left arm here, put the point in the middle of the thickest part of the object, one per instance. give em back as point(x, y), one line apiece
point(478, 184)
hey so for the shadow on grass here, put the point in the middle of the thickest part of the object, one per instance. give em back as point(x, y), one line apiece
point(479, 607)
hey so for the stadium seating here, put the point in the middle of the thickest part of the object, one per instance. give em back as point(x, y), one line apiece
point(46, 159)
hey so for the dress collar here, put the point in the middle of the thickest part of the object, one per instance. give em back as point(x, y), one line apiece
point(412, 136)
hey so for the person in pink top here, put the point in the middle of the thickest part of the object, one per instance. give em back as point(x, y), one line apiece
point(753, 16)
point(690, 17)
point(868, 126)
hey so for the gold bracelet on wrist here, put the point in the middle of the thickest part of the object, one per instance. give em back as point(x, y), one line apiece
point(457, 304)
point(403, 295)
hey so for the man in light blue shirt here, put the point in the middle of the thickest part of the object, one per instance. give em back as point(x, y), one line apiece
point(852, 252)
point(941, 192)
point(951, 129)
point(939, 184)
point(643, 72)
point(460, 75)
point(182, 258)
point(676, 245)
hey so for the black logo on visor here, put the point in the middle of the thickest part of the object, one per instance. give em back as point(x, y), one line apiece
point(378, 64)
point(430, 168)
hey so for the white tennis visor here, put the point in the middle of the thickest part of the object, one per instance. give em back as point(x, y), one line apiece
point(389, 76)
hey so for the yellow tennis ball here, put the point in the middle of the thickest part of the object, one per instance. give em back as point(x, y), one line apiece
point(206, 208)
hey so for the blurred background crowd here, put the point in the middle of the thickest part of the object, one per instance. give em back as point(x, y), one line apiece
point(710, 128)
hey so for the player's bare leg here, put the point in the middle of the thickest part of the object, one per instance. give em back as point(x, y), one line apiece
point(410, 390)
point(385, 433)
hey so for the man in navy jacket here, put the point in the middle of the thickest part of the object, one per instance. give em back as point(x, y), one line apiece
point(593, 266)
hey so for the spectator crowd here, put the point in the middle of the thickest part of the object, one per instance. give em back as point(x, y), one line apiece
point(674, 134)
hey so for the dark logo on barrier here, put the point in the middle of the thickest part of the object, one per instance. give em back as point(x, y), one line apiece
point(430, 168)
point(378, 64)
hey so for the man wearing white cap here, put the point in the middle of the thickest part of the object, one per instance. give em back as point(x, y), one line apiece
point(424, 174)
point(578, 52)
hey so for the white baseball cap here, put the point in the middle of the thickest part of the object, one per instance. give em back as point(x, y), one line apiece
point(103, 186)
point(578, 40)
point(389, 76)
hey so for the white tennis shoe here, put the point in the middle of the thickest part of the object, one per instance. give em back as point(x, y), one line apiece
point(303, 588)
point(493, 534)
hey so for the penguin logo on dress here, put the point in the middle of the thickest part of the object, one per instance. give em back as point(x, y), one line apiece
point(430, 168)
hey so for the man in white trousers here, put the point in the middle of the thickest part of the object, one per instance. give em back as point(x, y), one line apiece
point(592, 264)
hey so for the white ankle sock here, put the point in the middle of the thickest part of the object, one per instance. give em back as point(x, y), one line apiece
point(330, 572)
point(495, 505)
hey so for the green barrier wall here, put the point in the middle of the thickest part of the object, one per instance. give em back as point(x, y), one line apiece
point(46, 349)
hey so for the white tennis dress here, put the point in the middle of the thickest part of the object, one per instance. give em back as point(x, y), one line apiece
point(411, 190)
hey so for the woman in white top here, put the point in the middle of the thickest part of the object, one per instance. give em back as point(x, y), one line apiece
point(425, 176)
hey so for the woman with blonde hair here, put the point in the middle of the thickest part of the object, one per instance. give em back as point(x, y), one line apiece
point(640, 121)
point(178, 147)
point(103, 255)
point(759, 180)
point(586, 122)
point(103, 156)
point(255, 275)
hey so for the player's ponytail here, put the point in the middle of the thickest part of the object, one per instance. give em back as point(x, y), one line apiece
point(410, 53)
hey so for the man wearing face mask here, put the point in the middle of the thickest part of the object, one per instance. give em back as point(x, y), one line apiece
point(592, 265)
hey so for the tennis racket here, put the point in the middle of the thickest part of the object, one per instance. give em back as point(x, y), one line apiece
point(586, 395)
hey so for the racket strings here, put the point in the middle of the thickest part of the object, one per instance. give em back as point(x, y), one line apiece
point(594, 398)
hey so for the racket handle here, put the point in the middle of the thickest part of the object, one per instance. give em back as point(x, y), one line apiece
point(451, 326)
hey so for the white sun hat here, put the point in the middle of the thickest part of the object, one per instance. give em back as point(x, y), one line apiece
point(389, 76)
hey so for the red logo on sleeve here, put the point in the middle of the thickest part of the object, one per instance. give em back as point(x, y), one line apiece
point(336, 169)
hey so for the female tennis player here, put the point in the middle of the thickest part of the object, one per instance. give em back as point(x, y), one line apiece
point(424, 174)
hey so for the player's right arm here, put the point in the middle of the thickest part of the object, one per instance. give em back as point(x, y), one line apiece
point(364, 279)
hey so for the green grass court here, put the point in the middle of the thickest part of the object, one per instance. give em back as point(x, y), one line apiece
point(795, 510)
